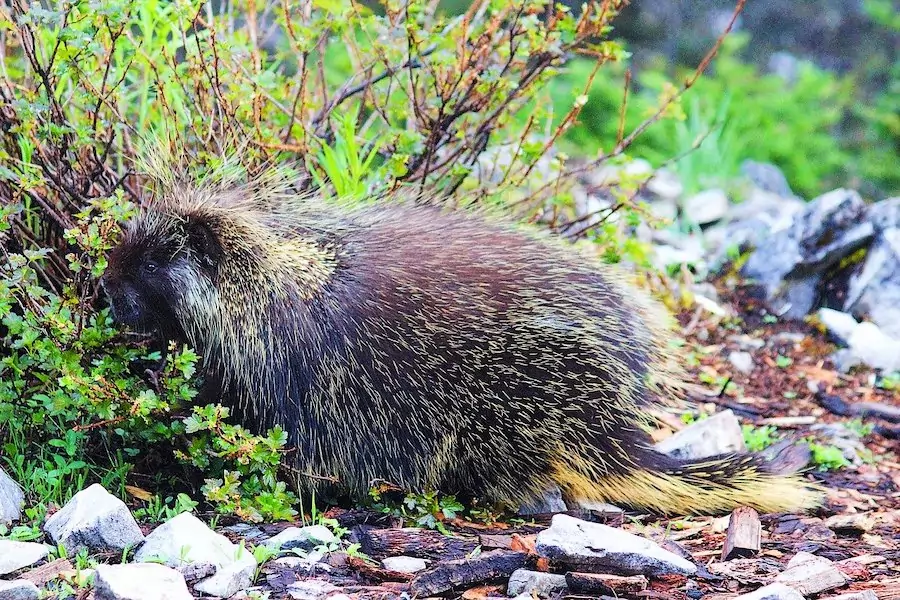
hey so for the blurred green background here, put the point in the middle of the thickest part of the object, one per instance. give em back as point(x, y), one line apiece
point(812, 86)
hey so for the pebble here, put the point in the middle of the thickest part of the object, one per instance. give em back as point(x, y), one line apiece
point(592, 546)
point(551, 502)
point(18, 555)
point(96, 520)
point(11, 499)
point(707, 207)
point(186, 539)
point(404, 564)
point(742, 361)
point(524, 581)
point(139, 582)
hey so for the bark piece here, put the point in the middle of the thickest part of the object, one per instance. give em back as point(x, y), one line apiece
point(810, 574)
point(496, 564)
point(411, 541)
point(598, 583)
point(743, 539)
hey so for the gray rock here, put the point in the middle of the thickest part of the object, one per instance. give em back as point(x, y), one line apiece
point(774, 591)
point(742, 361)
point(96, 520)
point(718, 434)
point(885, 215)
point(524, 581)
point(306, 538)
point(186, 539)
point(767, 177)
point(11, 499)
point(707, 207)
point(18, 555)
point(874, 291)
point(404, 564)
point(311, 589)
point(139, 582)
point(588, 546)
point(19, 589)
point(551, 502)
point(790, 261)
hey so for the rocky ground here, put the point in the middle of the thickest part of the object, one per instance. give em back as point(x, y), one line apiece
point(766, 351)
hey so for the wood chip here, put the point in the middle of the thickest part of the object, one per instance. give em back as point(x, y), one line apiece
point(412, 541)
point(597, 583)
point(44, 574)
point(744, 535)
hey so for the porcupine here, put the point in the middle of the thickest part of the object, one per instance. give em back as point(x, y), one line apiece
point(433, 348)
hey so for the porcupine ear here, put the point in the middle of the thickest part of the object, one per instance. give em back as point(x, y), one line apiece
point(203, 240)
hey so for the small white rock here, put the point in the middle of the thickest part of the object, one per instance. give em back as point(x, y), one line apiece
point(580, 544)
point(18, 589)
point(523, 581)
point(139, 582)
point(774, 591)
point(186, 539)
point(742, 361)
point(665, 184)
point(707, 207)
point(301, 537)
point(94, 519)
point(11, 499)
point(874, 347)
point(310, 589)
point(404, 564)
point(718, 434)
point(18, 555)
point(839, 323)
